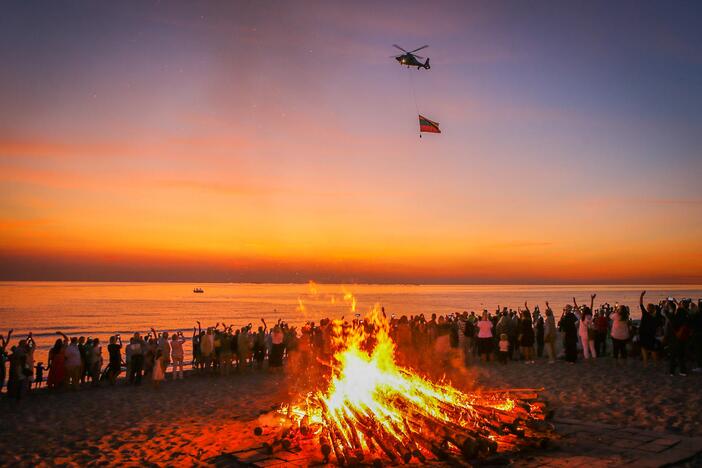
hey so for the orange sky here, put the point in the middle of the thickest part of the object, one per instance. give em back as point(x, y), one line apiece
point(193, 145)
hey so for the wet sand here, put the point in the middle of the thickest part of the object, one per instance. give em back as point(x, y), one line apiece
point(186, 422)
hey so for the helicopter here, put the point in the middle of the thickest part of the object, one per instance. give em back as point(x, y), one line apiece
point(410, 59)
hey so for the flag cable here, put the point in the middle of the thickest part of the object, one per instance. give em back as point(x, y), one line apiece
point(414, 96)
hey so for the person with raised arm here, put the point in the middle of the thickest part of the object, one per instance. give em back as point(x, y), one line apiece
point(585, 328)
point(30, 346)
point(567, 324)
point(197, 357)
point(206, 347)
point(164, 345)
point(526, 335)
point(73, 361)
point(650, 322)
point(18, 379)
point(620, 331)
point(3, 356)
point(538, 331)
point(114, 366)
point(550, 334)
point(177, 354)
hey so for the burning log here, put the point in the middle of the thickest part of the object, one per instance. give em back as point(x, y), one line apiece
point(375, 411)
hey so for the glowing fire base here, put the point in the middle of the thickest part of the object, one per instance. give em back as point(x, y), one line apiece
point(375, 411)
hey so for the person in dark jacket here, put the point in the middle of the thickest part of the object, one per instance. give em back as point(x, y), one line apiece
point(567, 324)
point(650, 321)
point(677, 333)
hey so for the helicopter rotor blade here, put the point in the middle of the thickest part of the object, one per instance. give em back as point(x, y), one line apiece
point(398, 47)
point(423, 47)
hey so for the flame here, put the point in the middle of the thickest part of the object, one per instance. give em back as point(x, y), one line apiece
point(370, 397)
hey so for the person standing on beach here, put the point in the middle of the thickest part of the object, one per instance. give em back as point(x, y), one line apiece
point(83, 359)
point(197, 359)
point(206, 348)
point(3, 356)
point(165, 347)
point(567, 324)
point(526, 336)
point(468, 337)
point(539, 332)
point(94, 356)
point(136, 359)
point(259, 346)
point(485, 337)
point(56, 364)
point(19, 373)
point(177, 354)
point(600, 324)
point(696, 321)
point(503, 325)
point(585, 331)
point(620, 332)
point(513, 332)
point(243, 347)
point(677, 334)
point(550, 334)
point(650, 322)
point(114, 350)
point(74, 365)
point(157, 373)
point(277, 347)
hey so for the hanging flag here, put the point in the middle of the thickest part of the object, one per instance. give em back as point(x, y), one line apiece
point(428, 126)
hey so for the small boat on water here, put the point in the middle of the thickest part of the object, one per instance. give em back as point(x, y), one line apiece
point(198, 290)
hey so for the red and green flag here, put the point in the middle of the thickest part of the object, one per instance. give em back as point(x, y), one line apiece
point(428, 126)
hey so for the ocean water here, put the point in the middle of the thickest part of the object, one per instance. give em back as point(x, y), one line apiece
point(103, 309)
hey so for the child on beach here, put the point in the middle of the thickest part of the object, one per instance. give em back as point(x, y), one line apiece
point(39, 374)
point(504, 348)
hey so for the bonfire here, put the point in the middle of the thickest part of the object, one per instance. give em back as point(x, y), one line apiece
point(373, 410)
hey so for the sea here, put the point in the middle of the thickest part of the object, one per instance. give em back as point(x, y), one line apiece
point(95, 309)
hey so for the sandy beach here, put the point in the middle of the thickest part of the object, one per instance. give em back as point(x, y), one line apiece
point(188, 422)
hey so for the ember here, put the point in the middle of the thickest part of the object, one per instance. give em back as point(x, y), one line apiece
point(374, 410)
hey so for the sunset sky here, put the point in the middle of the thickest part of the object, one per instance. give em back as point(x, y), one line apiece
point(277, 141)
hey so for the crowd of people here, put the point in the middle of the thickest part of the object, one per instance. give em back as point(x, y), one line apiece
point(670, 328)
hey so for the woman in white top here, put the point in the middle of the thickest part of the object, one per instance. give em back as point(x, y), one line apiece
point(485, 337)
point(620, 331)
point(585, 331)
